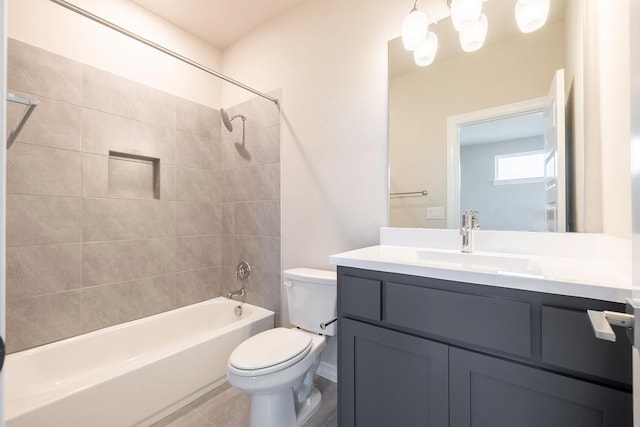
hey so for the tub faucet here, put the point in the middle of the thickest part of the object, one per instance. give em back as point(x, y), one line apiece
point(469, 223)
point(239, 293)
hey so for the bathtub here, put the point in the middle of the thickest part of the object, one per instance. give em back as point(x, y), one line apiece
point(132, 374)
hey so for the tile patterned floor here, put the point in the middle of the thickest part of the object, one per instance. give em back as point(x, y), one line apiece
point(228, 407)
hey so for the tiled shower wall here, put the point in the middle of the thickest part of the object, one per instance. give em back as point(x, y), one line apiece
point(85, 248)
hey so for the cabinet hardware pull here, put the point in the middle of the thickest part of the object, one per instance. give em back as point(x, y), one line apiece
point(601, 322)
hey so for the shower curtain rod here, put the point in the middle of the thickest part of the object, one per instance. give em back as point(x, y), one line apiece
point(31, 104)
point(149, 43)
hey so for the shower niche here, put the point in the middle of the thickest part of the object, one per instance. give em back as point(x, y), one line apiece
point(133, 177)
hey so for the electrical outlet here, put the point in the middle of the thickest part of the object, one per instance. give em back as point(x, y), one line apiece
point(435, 213)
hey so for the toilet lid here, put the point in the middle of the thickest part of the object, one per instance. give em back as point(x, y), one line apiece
point(269, 348)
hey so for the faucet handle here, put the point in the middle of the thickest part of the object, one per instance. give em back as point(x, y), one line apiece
point(474, 220)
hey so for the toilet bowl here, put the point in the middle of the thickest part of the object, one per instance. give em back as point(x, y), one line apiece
point(277, 367)
point(281, 383)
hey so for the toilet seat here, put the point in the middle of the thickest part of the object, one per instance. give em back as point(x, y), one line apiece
point(270, 351)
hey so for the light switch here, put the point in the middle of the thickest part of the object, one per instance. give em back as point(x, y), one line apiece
point(435, 213)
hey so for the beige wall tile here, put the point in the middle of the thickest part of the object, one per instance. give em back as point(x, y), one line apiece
point(95, 176)
point(197, 119)
point(228, 152)
point(261, 113)
point(257, 218)
point(194, 151)
point(263, 289)
point(38, 270)
point(167, 182)
point(198, 285)
point(131, 253)
point(110, 262)
point(262, 253)
point(226, 186)
point(123, 219)
point(195, 185)
point(33, 169)
point(198, 252)
point(34, 70)
point(264, 146)
point(43, 220)
point(260, 147)
point(227, 218)
point(43, 319)
point(194, 218)
point(132, 179)
point(106, 132)
point(116, 303)
point(257, 183)
point(228, 249)
point(113, 94)
point(53, 124)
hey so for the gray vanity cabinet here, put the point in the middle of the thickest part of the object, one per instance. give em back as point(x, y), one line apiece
point(415, 351)
point(491, 392)
point(394, 379)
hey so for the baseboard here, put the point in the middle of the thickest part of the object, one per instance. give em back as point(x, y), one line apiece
point(328, 371)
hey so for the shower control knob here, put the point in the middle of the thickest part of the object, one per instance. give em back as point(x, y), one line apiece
point(243, 271)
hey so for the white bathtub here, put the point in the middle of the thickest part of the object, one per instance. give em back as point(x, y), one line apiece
point(131, 374)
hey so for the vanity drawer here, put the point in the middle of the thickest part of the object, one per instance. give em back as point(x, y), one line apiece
point(568, 341)
point(499, 324)
point(361, 297)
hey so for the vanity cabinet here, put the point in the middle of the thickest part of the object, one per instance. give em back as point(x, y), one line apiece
point(416, 351)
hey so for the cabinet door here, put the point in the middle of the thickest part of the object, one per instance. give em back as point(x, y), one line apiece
point(491, 392)
point(388, 378)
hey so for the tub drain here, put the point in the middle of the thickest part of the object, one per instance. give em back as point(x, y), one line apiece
point(238, 310)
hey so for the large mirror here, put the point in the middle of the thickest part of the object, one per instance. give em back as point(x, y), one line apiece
point(457, 126)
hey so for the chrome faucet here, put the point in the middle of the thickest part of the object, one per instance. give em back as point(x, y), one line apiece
point(239, 293)
point(469, 223)
point(243, 272)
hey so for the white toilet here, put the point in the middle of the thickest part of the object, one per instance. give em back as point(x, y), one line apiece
point(276, 367)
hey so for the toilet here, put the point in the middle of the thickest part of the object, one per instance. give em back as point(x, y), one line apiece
point(276, 367)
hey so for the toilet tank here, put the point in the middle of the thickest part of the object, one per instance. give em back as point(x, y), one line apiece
point(311, 298)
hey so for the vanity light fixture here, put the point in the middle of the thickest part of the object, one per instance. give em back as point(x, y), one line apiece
point(471, 24)
point(473, 38)
point(426, 52)
point(531, 15)
point(414, 28)
point(465, 14)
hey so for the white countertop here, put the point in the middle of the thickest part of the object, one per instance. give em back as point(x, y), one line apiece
point(588, 275)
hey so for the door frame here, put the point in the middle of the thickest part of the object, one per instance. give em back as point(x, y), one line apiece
point(453, 146)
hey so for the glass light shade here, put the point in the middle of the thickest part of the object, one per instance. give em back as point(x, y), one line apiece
point(465, 13)
point(414, 29)
point(531, 15)
point(426, 52)
point(473, 38)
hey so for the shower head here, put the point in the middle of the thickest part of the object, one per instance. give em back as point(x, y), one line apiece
point(227, 121)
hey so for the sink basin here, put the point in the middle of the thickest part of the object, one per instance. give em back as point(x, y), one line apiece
point(482, 261)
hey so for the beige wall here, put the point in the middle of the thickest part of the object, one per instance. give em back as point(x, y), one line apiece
point(614, 89)
point(420, 103)
point(46, 25)
point(330, 59)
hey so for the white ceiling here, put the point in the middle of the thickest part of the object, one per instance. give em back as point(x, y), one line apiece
point(218, 22)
